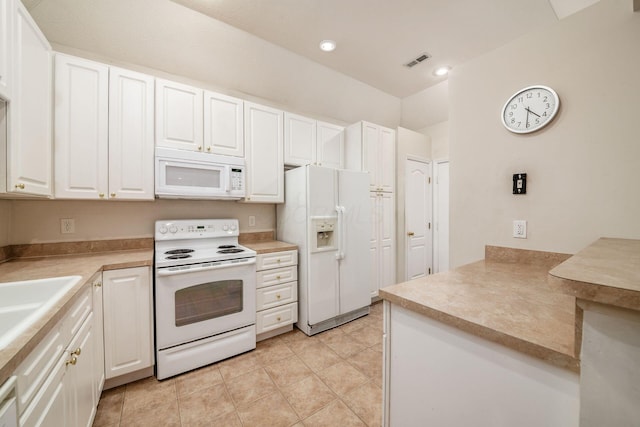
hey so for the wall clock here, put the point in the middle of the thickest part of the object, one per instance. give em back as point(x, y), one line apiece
point(530, 109)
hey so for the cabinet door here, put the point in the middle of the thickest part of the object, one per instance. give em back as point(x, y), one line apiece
point(6, 28)
point(50, 405)
point(178, 116)
point(299, 140)
point(80, 378)
point(223, 124)
point(128, 324)
point(131, 142)
point(81, 131)
point(264, 154)
point(387, 159)
point(29, 143)
point(370, 152)
point(98, 336)
point(330, 140)
point(387, 238)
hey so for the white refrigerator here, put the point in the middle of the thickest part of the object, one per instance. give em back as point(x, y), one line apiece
point(327, 213)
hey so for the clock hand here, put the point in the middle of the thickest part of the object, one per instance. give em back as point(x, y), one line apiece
point(527, 122)
point(528, 110)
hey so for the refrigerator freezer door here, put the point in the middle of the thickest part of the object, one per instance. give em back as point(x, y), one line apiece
point(354, 270)
point(323, 287)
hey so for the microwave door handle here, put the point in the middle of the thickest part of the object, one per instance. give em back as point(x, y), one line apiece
point(228, 179)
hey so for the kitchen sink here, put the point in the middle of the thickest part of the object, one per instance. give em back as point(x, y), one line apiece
point(22, 303)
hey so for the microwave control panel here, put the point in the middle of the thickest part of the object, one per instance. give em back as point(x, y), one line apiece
point(237, 179)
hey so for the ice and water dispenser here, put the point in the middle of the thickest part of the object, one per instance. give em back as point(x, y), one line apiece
point(323, 234)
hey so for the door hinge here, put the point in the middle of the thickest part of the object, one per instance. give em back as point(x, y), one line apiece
point(429, 270)
point(429, 180)
point(429, 226)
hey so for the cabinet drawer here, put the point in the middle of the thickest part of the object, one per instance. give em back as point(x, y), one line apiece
point(274, 296)
point(78, 313)
point(276, 276)
point(277, 317)
point(276, 259)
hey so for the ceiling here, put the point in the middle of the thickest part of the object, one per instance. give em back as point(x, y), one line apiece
point(376, 37)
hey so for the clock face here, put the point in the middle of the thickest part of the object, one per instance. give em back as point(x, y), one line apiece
point(530, 109)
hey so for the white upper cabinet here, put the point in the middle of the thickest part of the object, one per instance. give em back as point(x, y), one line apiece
point(6, 48)
point(223, 124)
point(370, 147)
point(29, 137)
point(299, 140)
point(179, 116)
point(104, 131)
point(131, 138)
point(307, 141)
point(81, 131)
point(264, 154)
point(330, 142)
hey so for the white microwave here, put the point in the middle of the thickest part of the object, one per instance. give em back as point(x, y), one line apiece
point(182, 174)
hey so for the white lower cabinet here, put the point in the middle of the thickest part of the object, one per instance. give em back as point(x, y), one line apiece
point(128, 320)
point(276, 293)
point(56, 382)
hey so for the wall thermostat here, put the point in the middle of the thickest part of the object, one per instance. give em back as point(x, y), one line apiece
point(519, 183)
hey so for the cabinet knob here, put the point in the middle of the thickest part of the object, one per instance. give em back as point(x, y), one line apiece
point(278, 318)
point(20, 186)
point(278, 260)
point(411, 233)
point(278, 296)
point(101, 195)
point(72, 361)
point(199, 147)
point(77, 351)
point(98, 284)
point(113, 194)
point(278, 277)
point(209, 149)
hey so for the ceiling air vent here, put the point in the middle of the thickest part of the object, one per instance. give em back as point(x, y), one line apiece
point(417, 60)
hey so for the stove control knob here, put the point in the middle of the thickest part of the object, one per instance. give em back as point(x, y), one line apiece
point(162, 229)
point(225, 227)
point(173, 229)
point(233, 227)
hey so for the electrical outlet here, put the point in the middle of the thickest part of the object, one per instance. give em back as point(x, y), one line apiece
point(520, 229)
point(252, 221)
point(67, 226)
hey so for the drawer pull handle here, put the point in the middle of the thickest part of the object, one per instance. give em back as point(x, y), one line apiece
point(113, 194)
point(77, 351)
point(71, 361)
point(101, 195)
point(20, 186)
point(98, 284)
point(278, 277)
point(278, 260)
point(278, 318)
point(278, 296)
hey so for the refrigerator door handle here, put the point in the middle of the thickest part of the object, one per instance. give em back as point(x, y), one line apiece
point(341, 249)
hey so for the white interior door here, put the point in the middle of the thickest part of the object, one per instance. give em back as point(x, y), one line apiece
point(441, 216)
point(418, 211)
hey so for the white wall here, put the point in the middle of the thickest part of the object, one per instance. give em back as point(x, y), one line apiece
point(408, 143)
point(582, 168)
point(38, 221)
point(165, 36)
point(439, 135)
point(426, 107)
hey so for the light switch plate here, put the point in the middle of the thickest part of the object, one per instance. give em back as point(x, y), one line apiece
point(520, 229)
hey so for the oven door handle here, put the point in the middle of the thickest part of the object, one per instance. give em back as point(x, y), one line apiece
point(168, 272)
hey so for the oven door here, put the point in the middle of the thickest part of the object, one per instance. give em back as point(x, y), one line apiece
point(203, 303)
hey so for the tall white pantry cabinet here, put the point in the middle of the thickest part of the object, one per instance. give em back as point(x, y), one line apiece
point(372, 148)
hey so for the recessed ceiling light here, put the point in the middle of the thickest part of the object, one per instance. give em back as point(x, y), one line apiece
point(327, 45)
point(442, 71)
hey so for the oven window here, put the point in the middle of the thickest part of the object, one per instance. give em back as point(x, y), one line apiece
point(192, 177)
point(208, 301)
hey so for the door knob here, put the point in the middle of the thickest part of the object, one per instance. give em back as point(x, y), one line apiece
point(411, 233)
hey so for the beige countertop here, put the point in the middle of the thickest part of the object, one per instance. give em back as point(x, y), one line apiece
point(506, 298)
point(84, 265)
point(265, 247)
point(607, 271)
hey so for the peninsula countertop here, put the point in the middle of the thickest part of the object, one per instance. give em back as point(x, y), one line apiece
point(506, 298)
point(84, 265)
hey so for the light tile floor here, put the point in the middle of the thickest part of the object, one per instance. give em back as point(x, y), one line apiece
point(331, 379)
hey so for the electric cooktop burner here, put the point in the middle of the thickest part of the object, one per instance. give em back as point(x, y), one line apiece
point(179, 256)
point(179, 251)
point(226, 246)
point(230, 251)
